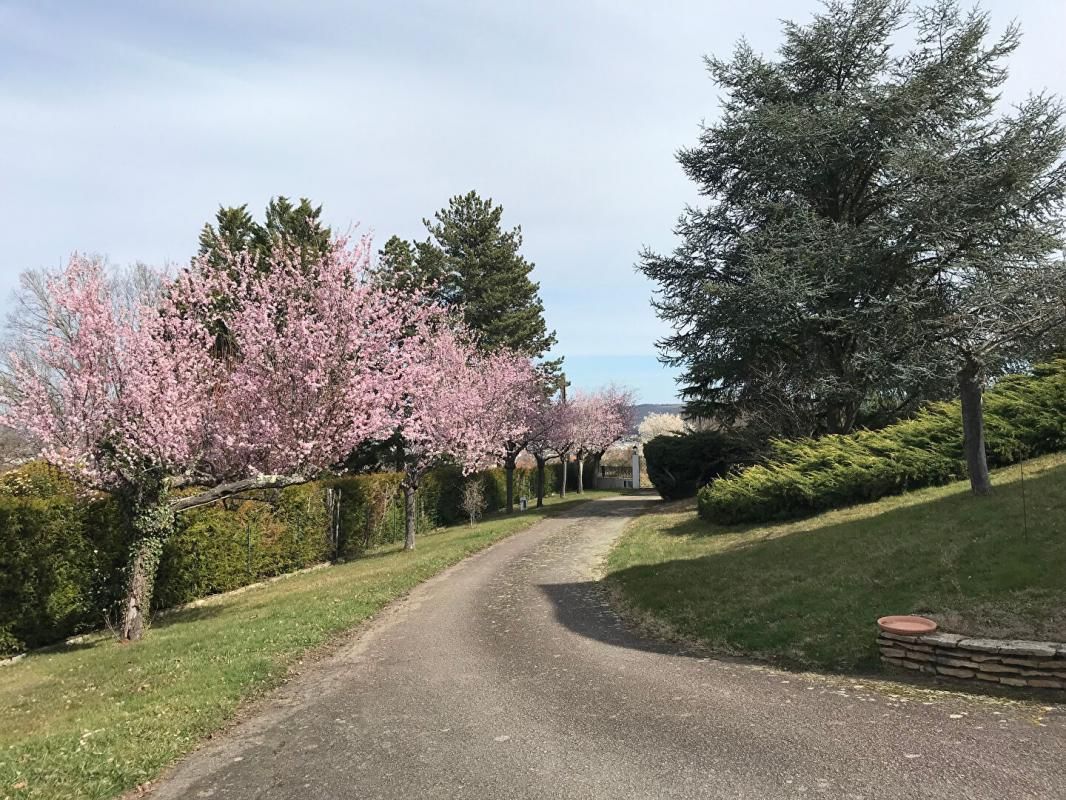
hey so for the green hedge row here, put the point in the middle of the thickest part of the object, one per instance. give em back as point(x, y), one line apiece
point(62, 550)
point(1025, 416)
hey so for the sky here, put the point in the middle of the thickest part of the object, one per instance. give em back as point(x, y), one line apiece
point(124, 126)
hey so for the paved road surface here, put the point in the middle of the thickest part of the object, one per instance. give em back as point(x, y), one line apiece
point(508, 677)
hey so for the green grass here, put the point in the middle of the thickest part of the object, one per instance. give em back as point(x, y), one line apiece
point(807, 593)
point(94, 719)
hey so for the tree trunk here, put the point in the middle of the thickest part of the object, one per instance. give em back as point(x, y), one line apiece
point(541, 461)
point(580, 474)
point(594, 474)
point(410, 515)
point(565, 457)
point(508, 465)
point(973, 427)
point(151, 520)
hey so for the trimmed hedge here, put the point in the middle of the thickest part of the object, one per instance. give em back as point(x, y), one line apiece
point(63, 550)
point(679, 464)
point(1025, 416)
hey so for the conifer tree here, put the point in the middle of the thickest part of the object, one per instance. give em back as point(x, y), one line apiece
point(477, 265)
point(285, 225)
point(876, 228)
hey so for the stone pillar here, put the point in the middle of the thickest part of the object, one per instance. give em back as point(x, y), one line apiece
point(636, 466)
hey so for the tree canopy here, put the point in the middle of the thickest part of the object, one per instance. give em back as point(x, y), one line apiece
point(132, 395)
point(285, 225)
point(472, 262)
point(864, 205)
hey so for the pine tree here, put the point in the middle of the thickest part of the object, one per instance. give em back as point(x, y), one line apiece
point(236, 231)
point(407, 266)
point(478, 265)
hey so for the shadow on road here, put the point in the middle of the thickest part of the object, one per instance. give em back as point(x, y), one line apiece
point(583, 608)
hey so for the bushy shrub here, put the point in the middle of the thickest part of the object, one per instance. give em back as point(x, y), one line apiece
point(1025, 416)
point(56, 576)
point(679, 464)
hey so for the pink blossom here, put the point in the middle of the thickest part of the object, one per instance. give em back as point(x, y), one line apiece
point(600, 419)
point(317, 362)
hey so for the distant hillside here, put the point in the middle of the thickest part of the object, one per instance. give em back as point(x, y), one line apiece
point(15, 449)
point(644, 409)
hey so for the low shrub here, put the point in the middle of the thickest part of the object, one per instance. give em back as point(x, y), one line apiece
point(679, 464)
point(1025, 416)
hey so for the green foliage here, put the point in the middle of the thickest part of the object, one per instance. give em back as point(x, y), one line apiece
point(479, 267)
point(399, 268)
point(298, 225)
point(1025, 415)
point(224, 546)
point(63, 551)
point(872, 218)
point(679, 464)
point(60, 550)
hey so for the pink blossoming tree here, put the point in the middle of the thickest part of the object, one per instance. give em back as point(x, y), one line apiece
point(550, 437)
point(599, 420)
point(512, 388)
point(138, 398)
point(442, 416)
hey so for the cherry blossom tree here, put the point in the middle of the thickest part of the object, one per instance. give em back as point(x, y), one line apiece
point(512, 389)
point(441, 415)
point(134, 397)
point(550, 437)
point(600, 420)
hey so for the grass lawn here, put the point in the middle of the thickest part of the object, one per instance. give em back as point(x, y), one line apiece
point(97, 718)
point(808, 592)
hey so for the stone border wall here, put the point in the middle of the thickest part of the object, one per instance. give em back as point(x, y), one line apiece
point(1039, 665)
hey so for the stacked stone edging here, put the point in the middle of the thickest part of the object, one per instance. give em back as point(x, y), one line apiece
point(1039, 665)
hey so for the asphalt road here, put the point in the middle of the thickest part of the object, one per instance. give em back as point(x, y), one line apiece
point(509, 677)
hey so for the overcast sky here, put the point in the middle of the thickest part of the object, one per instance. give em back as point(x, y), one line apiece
point(123, 126)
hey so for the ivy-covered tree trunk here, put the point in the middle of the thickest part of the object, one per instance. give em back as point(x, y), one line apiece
point(973, 427)
point(594, 473)
point(151, 521)
point(410, 513)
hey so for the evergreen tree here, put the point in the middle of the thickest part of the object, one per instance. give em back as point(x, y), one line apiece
point(236, 230)
point(397, 256)
point(477, 264)
point(850, 188)
point(405, 266)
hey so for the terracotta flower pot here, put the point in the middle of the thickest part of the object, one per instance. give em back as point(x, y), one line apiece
point(906, 625)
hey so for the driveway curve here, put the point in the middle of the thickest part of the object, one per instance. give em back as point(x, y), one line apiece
point(508, 676)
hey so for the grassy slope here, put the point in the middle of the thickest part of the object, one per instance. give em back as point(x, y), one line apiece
point(808, 592)
point(95, 719)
